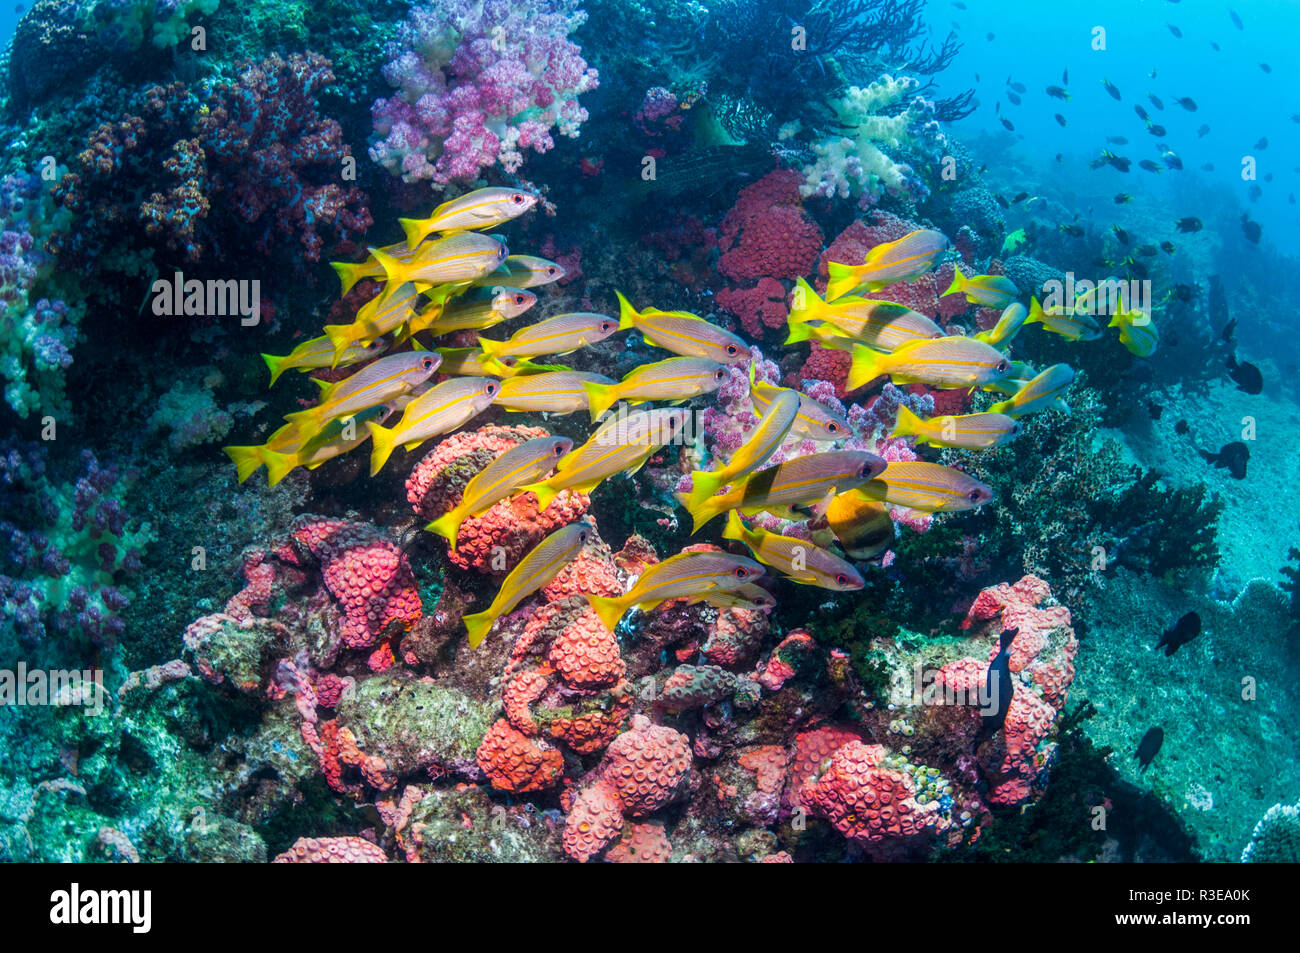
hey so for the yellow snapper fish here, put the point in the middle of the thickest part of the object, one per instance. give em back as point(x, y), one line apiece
point(561, 334)
point(1042, 393)
point(341, 435)
point(963, 431)
point(529, 461)
point(882, 324)
point(799, 559)
point(378, 381)
point(456, 259)
point(472, 362)
point(521, 271)
point(536, 570)
point(319, 352)
point(377, 317)
point(948, 363)
point(683, 576)
point(927, 487)
point(505, 304)
point(1073, 324)
point(1008, 326)
point(1021, 373)
point(814, 421)
point(862, 526)
point(249, 459)
point(482, 208)
point(909, 257)
point(440, 409)
point(991, 291)
point(676, 379)
point(621, 444)
point(748, 596)
point(807, 479)
point(558, 392)
point(683, 333)
point(1137, 332)
point(772, 429)
point(351, 272)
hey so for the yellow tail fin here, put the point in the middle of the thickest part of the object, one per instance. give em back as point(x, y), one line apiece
point(958, 282)
point(1035, 312)
point(734, 529)
point(246, 460)
point(448, 526)
point(805, 302)
point(867, 366)
point(544, 492)
point(278, 465)
point(415, 230)
point(703, 486)
point(349, 273)
point(701, 511)
point(385, 442)
point(395, 274)
point(493, 349)
point(627, 314)
point(906, 424)
point(609, 610)
point(340, 336)
point(478, 626)
point(842, 279)
point(600, 397)
point(275, 364)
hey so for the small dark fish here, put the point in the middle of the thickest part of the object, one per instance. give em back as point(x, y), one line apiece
point(1236, 20)
point(1060, 157)
point(1059, 118)
point(1137, 268)
point(1065, 76)
point(1120, 234)
point(1262, 143)
point(959, 6)
point(1002, 201)
point(1295, 117)
point(1118, 162)
point(1290, 199)
point(1142, 113)
point(999, 686)
point(1214, 46)
point(1155, 101)
point(1248, 378)
point(1172, 161)
point(1233, 457)
point(1117, 140)
point(1251, 230)
point(1018, 87)
point(983, 169)
point(1015, 100)
point(1123, 198)
point(1265, 67)
point(1255, 192)
point(1167, 247)
point(1155, 130)
point(1175, 31)
point(1007, 123)
point(1146, 251)
point(1056, 92)
point(1228, 328)
point(1183, 631)
point(1189, 224)
point(1203, 131)
point(1183, 292)
point(1112, 89)
point(1074, 231)
point(1020, 198)
point(1154, 409)
point(1149, 166)
point(1181, 427)
point(1149, 747)
point(1208, 167)
point(1187, 103)
point(989, 37)
point(1268, 177)
point(1152, 74)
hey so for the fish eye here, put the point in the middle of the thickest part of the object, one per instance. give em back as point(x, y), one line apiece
point(559, 450)
point(550, 270)
point(732, 350)
point(519, 299)
point(1003, 366)
point(606, 325)
point(832, 427)
point(491, 388)
point(427, 363)
point(741, 572)
point(842, 579)
point(516, 198)
point(973, 496)
point(719, 374)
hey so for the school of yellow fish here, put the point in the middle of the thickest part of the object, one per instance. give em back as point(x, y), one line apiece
point(447, 276)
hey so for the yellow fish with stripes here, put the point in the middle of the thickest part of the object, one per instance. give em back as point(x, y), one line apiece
point(675, 380)
point(799, 559)
point(991, 291)
point(525, 463)
point(773, 427)
point(536, 570)
point(1137, 332)
point(319, 352)
point(249, 459)
point(909, 257)
point(683, 333)
point(1042, 393)
point(377, 317)
point(814, 421)
point(684, 576)
point(482, 208)
point(351, 272)
point(927, 487)
point(1008, 326)
point(1073, 324)
point(862, 526)
point(1021, 373)
point(440, 409)
point(749, 596)
point(962, 431)
point(381, 380)
point(472, 362)
point(457, 259)
point(561, 334)
point(474, 315)
point(882, 324)
point(621, 444)
point(947, 363)
point(341, 435)
point(807, 479)
point(521, 271)
point(557, 392)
